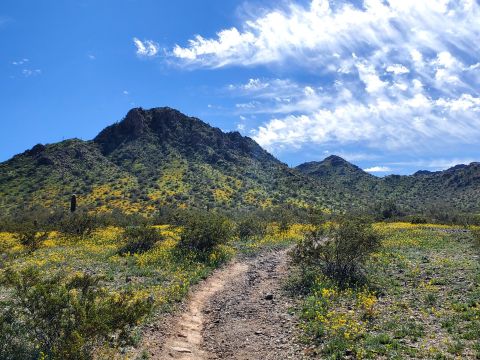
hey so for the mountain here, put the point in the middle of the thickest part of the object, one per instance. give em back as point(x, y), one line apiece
point(457, 187)
point(162, 157)
point(151, 158)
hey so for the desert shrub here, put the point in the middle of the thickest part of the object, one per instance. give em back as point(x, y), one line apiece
point(339, 249)
point(64, 318)
point(13, 342)
point(202, 232)
point(139, 239)
point(387, 210)
point(476, 236)
point(251, 227)
point(31, 238)
point(78, 224)
point(285, 219)
point(417, 219)
point(301, 280)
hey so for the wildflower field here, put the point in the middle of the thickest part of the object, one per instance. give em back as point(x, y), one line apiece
point(161, 275)
point(421, 300)
point(421, 297)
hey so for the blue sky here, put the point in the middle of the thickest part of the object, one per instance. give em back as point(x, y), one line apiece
point(391, 85)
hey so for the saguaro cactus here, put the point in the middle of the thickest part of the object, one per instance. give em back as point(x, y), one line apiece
point(73, 203)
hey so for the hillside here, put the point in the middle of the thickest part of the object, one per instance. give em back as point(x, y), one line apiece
point(343, 178)
point(152, 158)
point(162, 157)
point(458, 186)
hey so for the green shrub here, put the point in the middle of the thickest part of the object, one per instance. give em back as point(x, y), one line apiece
point(339, 249)
point(476, 236)
point(14, 344)
point(30, 237)
point(139, 239)
point(417, 219)
point(78, 224)
point(251, 227)
point(202, 232)
point(65, 318)
point(285, 219)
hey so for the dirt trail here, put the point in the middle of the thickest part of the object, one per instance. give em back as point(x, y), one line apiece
point(251, 317)
point(186, 339)
point(239, 312)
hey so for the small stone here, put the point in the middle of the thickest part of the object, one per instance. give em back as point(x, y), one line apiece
point(181, 350)
point(269, 296)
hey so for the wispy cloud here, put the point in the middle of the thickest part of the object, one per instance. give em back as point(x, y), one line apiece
point(402, 75)
point(378, 169)
point(435, 164)
point(327, 32)
point(31, 72)
point(20, 62)
point(389, 75)
point(389, 116)
point(146, 48)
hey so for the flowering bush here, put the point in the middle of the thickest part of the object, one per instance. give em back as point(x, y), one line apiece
point(64, 318)
point(339, 249)
point(202, 232)
point(139, 239)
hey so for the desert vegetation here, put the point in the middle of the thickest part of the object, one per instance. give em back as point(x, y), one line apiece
point(404, 287)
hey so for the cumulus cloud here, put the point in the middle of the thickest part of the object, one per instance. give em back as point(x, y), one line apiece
point(146, 48)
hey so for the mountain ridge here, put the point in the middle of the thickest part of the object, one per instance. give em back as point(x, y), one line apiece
point(159, 156)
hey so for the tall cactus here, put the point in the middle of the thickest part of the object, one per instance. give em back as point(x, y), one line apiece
point(73, 203)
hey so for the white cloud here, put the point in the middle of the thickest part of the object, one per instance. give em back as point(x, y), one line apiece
point(146, 48)
point(249, 105)
point(31, 72)
point(378, 169)
point(327, 31)
point(370, 78)
point(125, 92)
point(410, 122)
point(398, 75)
point(397, 69)
point(20, 62)
point(436, 164)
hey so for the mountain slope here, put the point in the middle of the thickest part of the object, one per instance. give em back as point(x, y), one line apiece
point(343, 178)
point(457, 187)
point(162, 157)
point(47, 175)
point(152, 158)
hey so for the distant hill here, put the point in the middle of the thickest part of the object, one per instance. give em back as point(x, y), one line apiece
point(162, 157)
point(457, 187)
